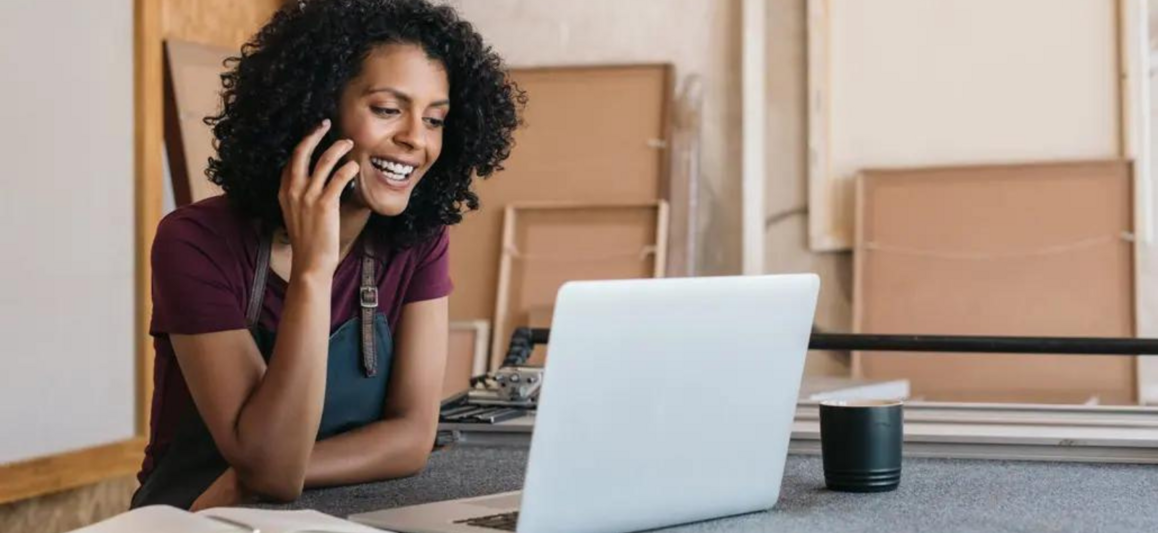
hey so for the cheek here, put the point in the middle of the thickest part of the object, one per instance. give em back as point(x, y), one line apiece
point(365, 132)
point(434, 146)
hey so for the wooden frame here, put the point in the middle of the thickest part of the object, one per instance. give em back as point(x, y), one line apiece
point(45, 475)
point(510, 221)
point(829, 228)
point(481, 330)
point(150, 186)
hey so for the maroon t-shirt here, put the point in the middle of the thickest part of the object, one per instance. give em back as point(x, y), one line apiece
point(203, 264)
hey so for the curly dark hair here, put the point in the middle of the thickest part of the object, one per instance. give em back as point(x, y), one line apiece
point(290, 75)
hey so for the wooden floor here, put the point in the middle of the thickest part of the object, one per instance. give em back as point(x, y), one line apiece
point(69, 510)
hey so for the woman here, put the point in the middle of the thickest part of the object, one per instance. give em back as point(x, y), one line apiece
point(300, 320)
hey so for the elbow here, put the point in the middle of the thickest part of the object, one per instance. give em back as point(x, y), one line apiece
point(283, 492)
point(417, 455)
point(416, 463)
point(281, 481)
point(273, 486)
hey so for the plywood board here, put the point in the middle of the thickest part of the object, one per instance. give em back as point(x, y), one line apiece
point(466, 356)
point(1034, 250)
point(591, 134)
point(226, 23)
point(192, 92)
point(546, 245)
point(907, 83)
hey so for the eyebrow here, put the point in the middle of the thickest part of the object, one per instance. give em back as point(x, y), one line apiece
point(402, 96)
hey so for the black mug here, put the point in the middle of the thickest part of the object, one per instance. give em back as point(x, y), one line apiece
point(860, 442)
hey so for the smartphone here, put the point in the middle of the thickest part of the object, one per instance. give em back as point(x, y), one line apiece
point(327, 141)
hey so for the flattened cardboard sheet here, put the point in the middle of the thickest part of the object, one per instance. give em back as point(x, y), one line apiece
point(1030, 250)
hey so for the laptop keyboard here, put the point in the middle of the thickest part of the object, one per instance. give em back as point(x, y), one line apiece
point(502, 522)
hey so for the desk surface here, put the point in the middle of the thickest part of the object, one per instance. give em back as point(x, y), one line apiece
point(935, 495)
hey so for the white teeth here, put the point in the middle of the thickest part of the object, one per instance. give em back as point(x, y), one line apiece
point(388, 166)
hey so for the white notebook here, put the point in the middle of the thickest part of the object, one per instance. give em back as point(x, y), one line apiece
point(163, 518)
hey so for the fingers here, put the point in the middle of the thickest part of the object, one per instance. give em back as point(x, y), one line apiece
point(298, 168)
point(345, 174)
point(326, 165)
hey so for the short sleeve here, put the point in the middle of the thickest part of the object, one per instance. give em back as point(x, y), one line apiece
point(192, 290)
point(431, 277)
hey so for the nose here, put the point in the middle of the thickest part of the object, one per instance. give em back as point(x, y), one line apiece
point(411, 134)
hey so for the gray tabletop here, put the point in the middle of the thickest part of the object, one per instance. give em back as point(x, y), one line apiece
point(935, 495)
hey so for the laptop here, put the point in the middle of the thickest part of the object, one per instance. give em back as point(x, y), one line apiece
point(664, 401)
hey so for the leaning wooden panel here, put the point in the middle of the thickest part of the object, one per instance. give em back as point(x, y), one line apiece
point(466, 355)
point(192, 92)
point(546, 245)
point(1034, 250)
point(226, 23)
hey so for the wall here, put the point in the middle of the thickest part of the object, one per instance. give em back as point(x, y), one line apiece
point(696, 36)
point(66, 376)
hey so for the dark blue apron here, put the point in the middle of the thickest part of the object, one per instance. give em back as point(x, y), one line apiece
point(357, 372)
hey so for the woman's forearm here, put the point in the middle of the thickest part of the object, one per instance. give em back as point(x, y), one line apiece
point(385, 449)
point(279, 421)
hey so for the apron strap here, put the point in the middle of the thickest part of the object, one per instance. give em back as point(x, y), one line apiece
point(260, 273)
point(368, 294)
point(369, 300)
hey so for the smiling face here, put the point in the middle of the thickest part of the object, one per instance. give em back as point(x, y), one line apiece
point(394, 112)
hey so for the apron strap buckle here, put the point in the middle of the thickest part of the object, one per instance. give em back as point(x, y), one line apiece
point(369, 297)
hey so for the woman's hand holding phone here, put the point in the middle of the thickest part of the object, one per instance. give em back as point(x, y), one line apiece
point(310, 202)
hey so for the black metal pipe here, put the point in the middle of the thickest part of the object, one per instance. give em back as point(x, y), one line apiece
point(984, 344)
point(962, 343)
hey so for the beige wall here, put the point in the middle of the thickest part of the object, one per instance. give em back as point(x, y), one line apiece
point(697, 36)
point(66, 307)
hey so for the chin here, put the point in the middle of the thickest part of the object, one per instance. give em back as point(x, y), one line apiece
point(389, 207)
point(387, 203)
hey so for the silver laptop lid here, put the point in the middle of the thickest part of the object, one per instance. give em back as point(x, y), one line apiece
point(666, 401)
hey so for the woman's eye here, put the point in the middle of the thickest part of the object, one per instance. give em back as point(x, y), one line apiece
point(435, 122)
point(384, 111)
